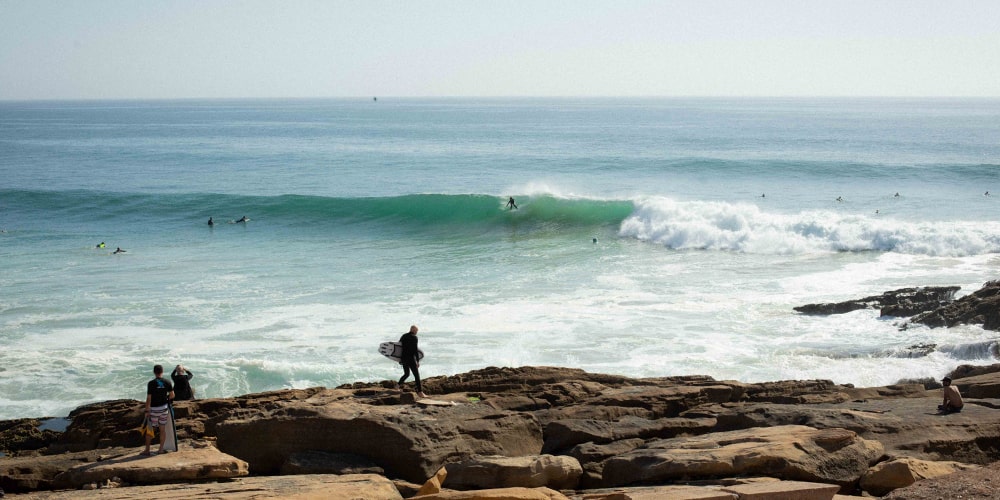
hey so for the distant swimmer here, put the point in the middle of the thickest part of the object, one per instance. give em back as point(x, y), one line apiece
point(895, 195)
point(876, 211)
point(243, 219)
point(100, 245)
point(510, 204)
point(119, 250)
point(986, 193)
point(211, 222)
point(595, 241)
point(762, 195)
point(375, 98)
point(840, 198)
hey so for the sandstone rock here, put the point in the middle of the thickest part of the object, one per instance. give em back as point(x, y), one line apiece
point(659, 493)
point(905, 427)
point(901, 472)
point(563, 434)
point(792, 452)
point(433, 485)
point(306, 487)
point(902, 302)
point(557, 472)
point(497, 494)
point(407, 442)
point(184, 465)
point(592, 456)
point(28, 473)
point(784, 490)
point(972, 484)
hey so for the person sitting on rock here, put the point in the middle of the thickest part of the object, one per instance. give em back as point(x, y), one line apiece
point(952, 399)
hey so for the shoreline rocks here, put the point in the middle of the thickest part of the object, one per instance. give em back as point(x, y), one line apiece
point(567, 430)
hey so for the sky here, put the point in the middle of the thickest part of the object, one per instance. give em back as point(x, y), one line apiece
point(163, 49)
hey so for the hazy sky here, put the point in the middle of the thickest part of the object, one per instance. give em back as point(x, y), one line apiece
point(168, 49)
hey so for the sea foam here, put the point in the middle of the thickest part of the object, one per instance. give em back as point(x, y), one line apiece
point(741, 227)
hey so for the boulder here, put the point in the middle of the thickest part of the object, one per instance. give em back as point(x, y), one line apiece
point(407, 442)
point(488, 472)
point(902, 302)
point(982, 307)
point(793, 452)
point(188, 464)
point(901, 472)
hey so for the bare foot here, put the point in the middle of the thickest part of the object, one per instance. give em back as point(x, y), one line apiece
point(421, 395)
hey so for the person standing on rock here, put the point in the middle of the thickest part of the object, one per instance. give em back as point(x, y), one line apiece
point(182, 387)
point(952, 398)
point(159, 392)
point(410, 360)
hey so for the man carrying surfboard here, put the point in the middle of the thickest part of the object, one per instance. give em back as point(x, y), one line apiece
point(159, 392)
point(409, 359)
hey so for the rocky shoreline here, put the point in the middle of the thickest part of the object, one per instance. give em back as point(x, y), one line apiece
point(572, 433)
point(535, 432)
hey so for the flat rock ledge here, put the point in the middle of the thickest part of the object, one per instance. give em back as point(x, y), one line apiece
point(527, 432)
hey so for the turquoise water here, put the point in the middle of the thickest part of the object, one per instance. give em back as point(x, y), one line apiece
point(367, 217)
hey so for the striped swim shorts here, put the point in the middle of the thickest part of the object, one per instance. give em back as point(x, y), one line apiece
point(159, 416)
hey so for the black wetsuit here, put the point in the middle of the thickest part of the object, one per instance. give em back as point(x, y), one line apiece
point(409, 359)
point(182, 388)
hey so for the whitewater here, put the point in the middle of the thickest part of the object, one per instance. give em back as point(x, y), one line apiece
point(653, 237)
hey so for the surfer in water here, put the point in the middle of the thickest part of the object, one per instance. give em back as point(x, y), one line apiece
point(409, 359)
point(510, 204)
point(242, 219)
point(211, 222)
point(100, 245)
point(118, 250)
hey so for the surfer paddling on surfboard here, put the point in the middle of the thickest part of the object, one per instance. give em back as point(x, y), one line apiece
point(410, 360)
point(159, 392)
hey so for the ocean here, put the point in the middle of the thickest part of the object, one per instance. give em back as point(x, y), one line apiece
point(653, 237)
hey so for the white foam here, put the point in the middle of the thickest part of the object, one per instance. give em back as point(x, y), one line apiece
point(741, 227)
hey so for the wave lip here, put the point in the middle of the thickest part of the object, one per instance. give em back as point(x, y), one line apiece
point(721, 226)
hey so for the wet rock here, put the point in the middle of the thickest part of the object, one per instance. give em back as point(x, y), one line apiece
point(982, 307)
point(902, 302)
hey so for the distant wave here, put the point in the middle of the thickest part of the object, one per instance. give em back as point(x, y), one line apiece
point(696, 225)
point(678, 225)
point(411, 211)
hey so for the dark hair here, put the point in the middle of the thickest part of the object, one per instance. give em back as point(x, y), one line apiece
point(157, 369)
point(946, 379)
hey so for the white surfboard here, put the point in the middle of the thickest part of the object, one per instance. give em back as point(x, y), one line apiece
point(394, 351)
point(170, 432)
